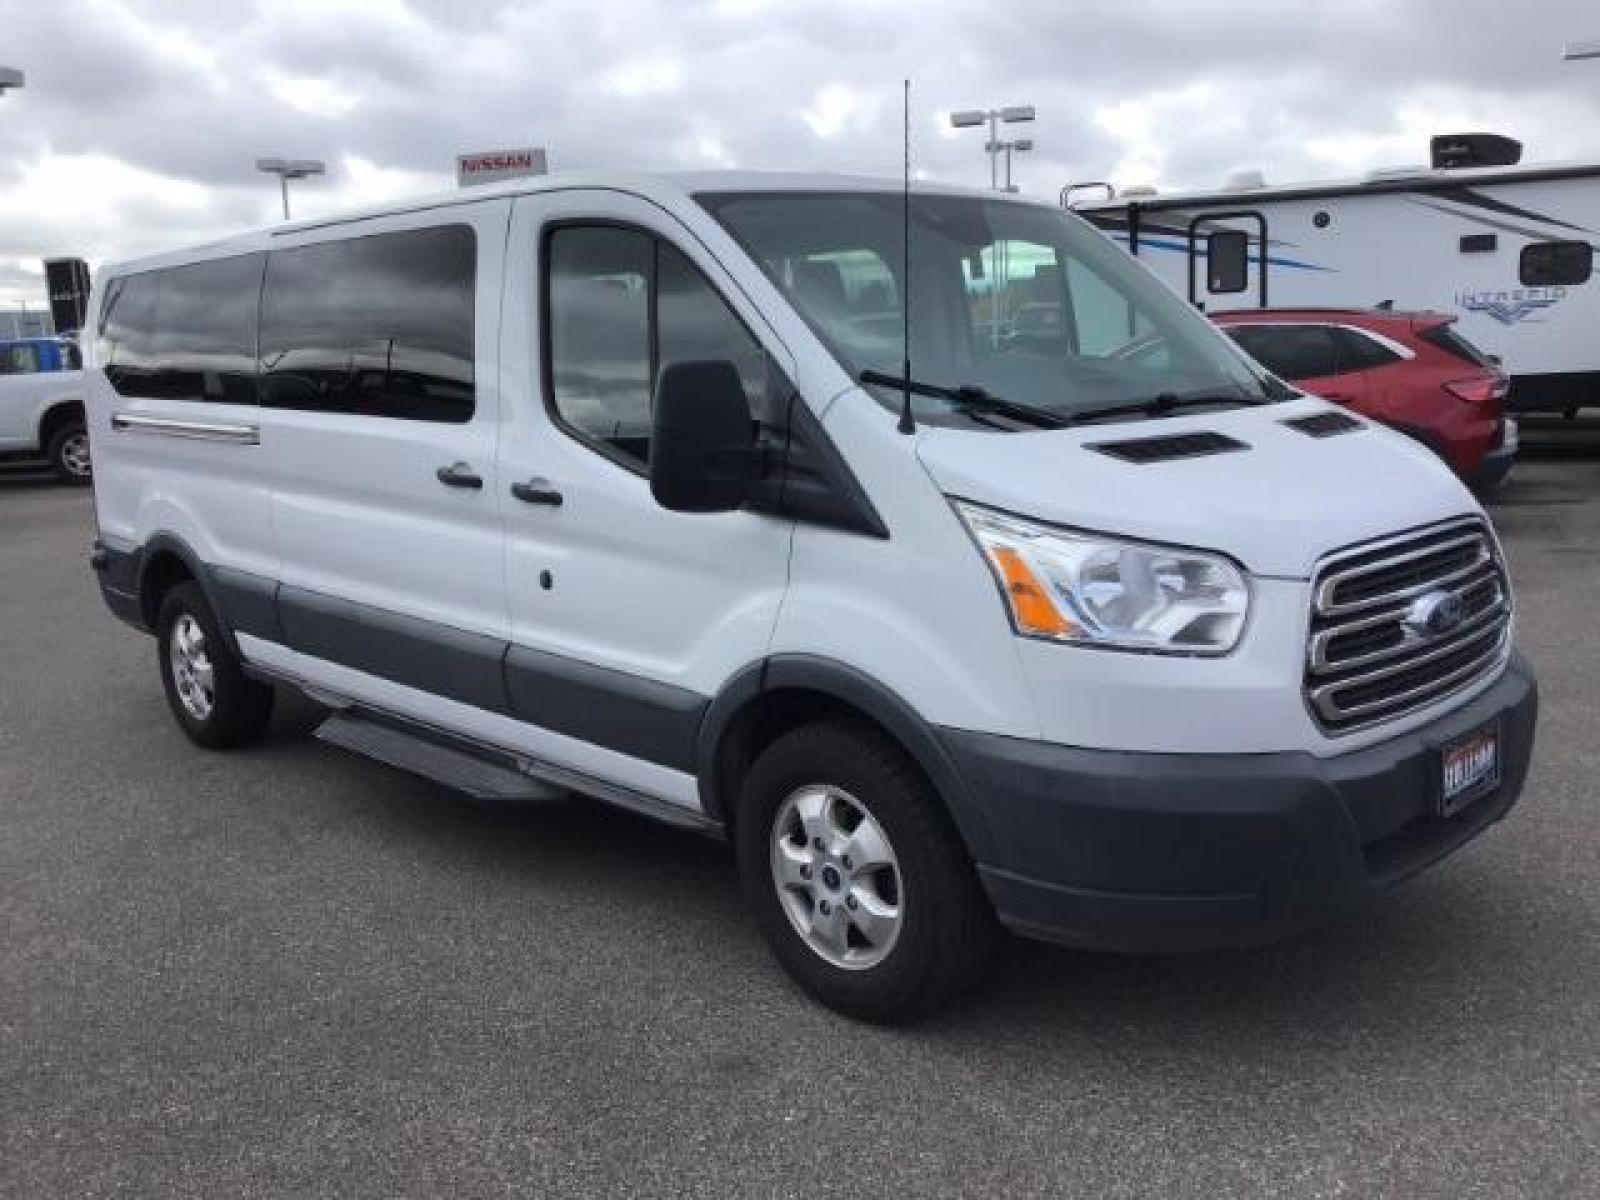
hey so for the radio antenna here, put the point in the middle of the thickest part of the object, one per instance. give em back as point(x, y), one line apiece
point(907, 425)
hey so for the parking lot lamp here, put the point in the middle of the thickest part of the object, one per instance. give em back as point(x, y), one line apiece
point(10, 78)
point(993, 117)
point(290, 168)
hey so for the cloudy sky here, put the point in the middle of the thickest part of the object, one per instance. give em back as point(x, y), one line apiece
point(141, 119)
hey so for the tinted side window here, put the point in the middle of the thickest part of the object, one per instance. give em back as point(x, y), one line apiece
point(185, 333)
point(127, 333)
point(1289, 351)
point(20, 359)
point(622, 304)
point(380, 325)
point(1556, 264)
point(204, 342)
point(601, 361)
point(694, 323)
point(1358, 352)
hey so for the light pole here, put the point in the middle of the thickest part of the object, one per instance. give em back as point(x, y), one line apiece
point(290, 168)
point(1021, 146)
point(973, 117)
point(1573, 51)
point(10, 78)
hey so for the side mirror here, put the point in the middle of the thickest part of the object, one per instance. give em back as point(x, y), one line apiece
point(702, 443)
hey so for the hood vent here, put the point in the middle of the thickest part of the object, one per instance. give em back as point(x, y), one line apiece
point(1324, 424)
point(1163, 449)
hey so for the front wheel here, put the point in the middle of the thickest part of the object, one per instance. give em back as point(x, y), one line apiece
point(68, 452)
point(217, 705)
point(857, 876)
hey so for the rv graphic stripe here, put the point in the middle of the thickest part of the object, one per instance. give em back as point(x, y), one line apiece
point(1506, 226)
point(1466, 196)
point(1274, 260)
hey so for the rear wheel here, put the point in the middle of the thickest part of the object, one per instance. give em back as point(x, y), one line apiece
point(217, 705)
point(68, 452)
point(857, 877)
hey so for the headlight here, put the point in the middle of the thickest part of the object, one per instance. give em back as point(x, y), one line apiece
point(1100, 591)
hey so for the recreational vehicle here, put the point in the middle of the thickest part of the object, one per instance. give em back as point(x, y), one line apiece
point(1507, 248)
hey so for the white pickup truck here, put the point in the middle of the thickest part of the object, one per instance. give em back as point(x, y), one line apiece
point(41, 405)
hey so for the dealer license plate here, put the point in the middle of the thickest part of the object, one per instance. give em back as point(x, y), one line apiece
point(1470, 768)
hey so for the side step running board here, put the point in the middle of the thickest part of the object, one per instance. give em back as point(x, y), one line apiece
point(446, 765)
point(486, 772)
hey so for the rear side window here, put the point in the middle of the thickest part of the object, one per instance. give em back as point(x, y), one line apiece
point(1358, 352)
point(1556, 264)
point(621, 304)
point(1290, 352)
point(185, 333)
point(1453, 344)
point(20, 359)
point(380, 326)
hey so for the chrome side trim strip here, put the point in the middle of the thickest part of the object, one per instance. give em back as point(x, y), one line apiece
point(238, 433)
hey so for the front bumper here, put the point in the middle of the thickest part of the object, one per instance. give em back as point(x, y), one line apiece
point(1496, 464)
point(1159, 852)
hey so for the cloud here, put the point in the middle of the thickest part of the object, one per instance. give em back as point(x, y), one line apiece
point(142, 118)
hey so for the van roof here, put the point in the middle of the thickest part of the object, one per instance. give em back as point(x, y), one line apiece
point(679, 183)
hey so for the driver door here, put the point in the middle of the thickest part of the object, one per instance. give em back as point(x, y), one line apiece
point(626, 619)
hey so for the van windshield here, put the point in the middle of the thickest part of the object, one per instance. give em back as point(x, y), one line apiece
point(1023, 301)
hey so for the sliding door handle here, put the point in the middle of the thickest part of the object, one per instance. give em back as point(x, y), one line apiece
point(537, 491)
point(460, 475)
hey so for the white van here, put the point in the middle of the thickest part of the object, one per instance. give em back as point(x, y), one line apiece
point(610, 484)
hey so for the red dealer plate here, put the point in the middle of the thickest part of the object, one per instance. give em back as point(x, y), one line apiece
point(1469, 768)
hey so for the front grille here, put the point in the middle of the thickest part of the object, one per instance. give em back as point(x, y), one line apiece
point(1375, 654)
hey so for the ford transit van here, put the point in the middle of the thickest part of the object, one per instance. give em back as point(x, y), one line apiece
point(692, 494)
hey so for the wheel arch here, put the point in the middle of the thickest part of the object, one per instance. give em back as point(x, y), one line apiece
point(166, 560)
point(56, 413)
point(783, 692)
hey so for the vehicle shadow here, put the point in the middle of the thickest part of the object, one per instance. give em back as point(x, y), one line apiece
point(29, 476)
point(1380, 981)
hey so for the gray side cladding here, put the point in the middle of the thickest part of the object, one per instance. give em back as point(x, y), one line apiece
point(642, 718)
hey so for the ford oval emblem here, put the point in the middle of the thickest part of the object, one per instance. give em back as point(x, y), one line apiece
point(1434, 614)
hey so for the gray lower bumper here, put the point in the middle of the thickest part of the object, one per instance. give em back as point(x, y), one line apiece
point(1184, 851)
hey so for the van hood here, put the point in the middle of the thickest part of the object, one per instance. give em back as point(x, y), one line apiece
point(1277, 505)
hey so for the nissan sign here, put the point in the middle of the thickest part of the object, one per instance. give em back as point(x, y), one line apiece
point(492, 166)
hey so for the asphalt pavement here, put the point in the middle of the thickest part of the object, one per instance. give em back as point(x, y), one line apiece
point(291, 972)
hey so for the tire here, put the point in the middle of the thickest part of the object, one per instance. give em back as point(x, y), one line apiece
point(215, 703)
point(823, 777)
point(68, 453)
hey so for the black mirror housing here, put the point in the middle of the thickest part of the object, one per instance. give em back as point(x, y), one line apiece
point(702, 442)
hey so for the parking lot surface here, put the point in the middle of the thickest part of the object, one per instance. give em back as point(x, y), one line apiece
point(289, 971)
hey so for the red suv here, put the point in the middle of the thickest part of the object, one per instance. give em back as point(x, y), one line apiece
point(1409, 371)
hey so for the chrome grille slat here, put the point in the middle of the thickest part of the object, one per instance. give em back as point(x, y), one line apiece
point(1374, 658)
point(1436, 689)
point(1321, 664)
point(1326, 605)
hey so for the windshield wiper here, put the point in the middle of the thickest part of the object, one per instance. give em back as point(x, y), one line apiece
point(1162, 404)
point(969, 397)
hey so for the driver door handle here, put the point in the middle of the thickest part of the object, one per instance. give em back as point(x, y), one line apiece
point(459, 475)
point(537, 491)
